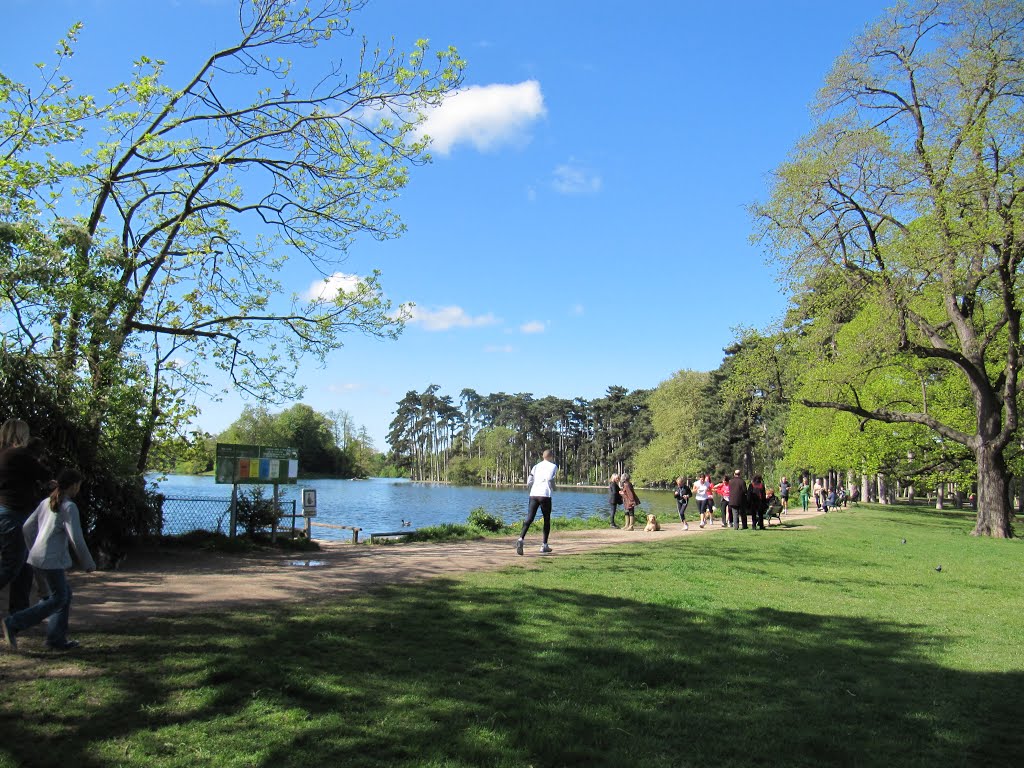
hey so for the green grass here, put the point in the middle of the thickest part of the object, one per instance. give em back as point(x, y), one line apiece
point(801, 646)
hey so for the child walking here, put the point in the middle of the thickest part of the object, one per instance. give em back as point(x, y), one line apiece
point(53, 526)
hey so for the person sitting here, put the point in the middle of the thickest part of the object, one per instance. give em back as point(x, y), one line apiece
point(774, 506)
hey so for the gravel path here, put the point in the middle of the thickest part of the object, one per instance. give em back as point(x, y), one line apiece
point(175, 581)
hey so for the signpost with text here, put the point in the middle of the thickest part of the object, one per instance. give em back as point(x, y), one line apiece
point(254, 464)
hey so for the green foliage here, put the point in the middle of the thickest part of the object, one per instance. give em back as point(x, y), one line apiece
point(158, 257)
point(677, 407)
point(465, 470)
point(115, 503)
point(482, 519)
point(254, 512)
point(899, 219)
point(305, 429)
point(496, 438)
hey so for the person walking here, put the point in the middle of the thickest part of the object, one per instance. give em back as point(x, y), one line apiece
point(542, 485)
point(53, 527)
point(23, 481)
point(757, 501)
point(805, 493)
point(737, 499)
point(721, 491)
point(614, 496)
point(682, 496)
point(819, 494)
point(630, 501)
point(784, 494)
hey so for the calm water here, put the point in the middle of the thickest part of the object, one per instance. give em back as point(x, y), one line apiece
point(380, 504)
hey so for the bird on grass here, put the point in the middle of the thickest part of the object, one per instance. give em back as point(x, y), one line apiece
point(903, 542)
point(938, 567)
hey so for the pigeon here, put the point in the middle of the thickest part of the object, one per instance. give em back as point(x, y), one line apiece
point(938, 567)
point(903, 542)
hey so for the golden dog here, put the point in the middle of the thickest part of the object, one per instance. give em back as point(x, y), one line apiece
point(652, 524)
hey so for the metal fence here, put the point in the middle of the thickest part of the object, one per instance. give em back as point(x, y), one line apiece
point(181, 515)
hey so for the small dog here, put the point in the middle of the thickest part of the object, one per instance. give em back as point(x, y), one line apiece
point(652, 524)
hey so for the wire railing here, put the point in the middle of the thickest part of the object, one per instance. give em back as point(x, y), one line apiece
point(180, 515)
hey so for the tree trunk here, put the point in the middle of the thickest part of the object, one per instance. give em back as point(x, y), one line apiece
point(865, 487)
point(993, 498)
point(883, 495)
point(939, 496)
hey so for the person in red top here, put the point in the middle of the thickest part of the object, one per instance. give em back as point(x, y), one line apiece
point(722, 492)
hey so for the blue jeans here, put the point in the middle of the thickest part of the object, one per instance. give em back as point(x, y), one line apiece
point(13, 569)
point(57, 607)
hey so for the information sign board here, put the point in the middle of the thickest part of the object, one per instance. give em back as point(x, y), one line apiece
point(251, 464)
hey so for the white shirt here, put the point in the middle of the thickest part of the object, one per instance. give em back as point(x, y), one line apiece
point(542, 479)
point(49, 533)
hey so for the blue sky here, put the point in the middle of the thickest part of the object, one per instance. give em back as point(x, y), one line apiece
point(584, 221)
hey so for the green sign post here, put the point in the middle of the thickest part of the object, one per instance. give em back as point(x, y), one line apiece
point(255, 464)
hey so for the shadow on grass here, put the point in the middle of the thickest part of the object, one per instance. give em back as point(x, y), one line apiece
point(457, 674)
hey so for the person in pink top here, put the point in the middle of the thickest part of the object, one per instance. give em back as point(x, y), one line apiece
point(722, 491)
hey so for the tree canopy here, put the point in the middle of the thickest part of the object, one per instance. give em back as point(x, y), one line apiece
point(905, 205)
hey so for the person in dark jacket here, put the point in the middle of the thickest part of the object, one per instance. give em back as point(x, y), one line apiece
point(757, 502)
point(614, 496)
point(681, 492)
point(737, 501)
point(23, 482)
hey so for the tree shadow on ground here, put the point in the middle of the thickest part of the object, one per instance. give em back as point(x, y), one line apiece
point(451, 673)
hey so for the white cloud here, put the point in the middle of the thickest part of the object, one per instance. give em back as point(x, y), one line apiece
point(444, 318)
point(503, 349)
point(573, 179)
point(329, 287)
point(485, 116)
point(343, 387)
point(534, 326)
point(577, 309)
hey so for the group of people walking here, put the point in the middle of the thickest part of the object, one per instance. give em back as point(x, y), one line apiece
point(39, 521)
point(736, 500)
point(741, 505)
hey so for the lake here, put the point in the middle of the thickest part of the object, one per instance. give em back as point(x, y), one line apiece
point(380, 504)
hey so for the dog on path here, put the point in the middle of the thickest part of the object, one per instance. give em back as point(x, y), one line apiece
point(652, 524)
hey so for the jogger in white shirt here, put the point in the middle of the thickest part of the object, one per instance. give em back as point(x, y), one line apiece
point(542, 485)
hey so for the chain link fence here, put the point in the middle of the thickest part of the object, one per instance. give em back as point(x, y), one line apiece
point(180, 515)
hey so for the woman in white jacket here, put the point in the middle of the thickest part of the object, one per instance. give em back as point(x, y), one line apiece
point(53, 526)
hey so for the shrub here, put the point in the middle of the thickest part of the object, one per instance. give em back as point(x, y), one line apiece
point(254, 512)
point(482, 519)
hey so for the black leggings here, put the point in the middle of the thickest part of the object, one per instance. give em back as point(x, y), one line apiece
point(681, 505)
point(544, 503)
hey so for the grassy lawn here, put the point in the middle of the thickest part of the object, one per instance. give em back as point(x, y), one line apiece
point(828, 644)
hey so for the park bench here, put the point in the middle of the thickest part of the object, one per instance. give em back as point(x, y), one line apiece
point(388, 534)
point(774, 510)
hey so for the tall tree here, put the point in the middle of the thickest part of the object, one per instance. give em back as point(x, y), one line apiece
point(196, 196)
point(911, 189)
point(676, 408)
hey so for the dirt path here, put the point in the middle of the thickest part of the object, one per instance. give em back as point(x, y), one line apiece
point(174, 581)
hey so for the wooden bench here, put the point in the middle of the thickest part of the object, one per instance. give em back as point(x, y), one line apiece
point(774, 510)
point(355, 529)
point(388, 534)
